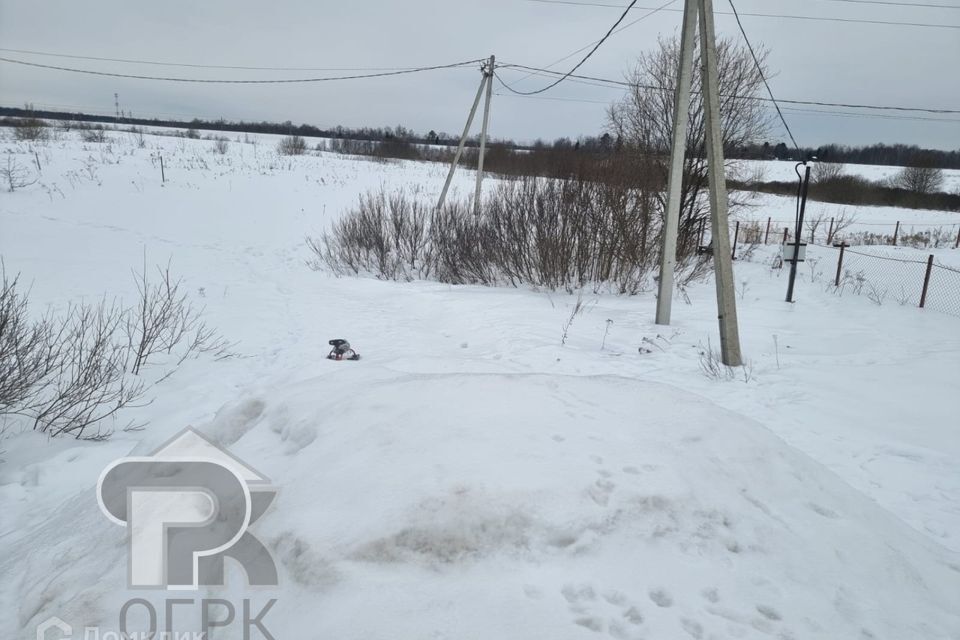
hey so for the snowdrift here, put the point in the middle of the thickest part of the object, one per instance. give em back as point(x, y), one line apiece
point(520, 506)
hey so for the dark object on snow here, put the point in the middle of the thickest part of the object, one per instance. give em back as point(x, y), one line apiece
point(341, 351)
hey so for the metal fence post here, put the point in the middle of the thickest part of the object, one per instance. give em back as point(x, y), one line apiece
point(736, 235)
point(926, 281)
point(767, 234)
point(786, 232)
point(896, 232)
point(842, 246)
point(957, 243)
point(830, 233)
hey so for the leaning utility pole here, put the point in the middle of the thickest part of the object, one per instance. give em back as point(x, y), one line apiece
point(722, 260)
point(488, 75)
point(486, 81)
point(681, 121)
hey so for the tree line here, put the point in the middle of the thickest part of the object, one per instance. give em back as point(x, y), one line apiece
point(876, 154)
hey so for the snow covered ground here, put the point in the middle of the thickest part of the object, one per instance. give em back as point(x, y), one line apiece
point(471, 476)
point(783, 170)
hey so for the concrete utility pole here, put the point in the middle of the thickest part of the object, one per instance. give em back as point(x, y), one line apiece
point(463, 139)
point(722, 260)
point(488, 75)
point(681, 122)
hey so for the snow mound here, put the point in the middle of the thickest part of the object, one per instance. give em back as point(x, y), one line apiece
point(522, 506)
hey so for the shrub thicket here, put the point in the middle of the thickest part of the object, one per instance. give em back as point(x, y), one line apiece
point(558, 234)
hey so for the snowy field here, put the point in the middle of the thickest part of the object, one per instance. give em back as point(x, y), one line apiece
point(784, 170)
point(472, 476)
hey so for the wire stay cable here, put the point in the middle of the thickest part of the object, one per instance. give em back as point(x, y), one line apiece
point(596, 46)
point(616, 31)
point(763, 76)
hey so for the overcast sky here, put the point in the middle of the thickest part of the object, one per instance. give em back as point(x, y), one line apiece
point(826, 61)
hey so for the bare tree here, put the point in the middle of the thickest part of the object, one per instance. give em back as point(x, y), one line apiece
point(827, 171)
point(841, 222)
point(643, 121)
point(813, 222)
point(920, 178)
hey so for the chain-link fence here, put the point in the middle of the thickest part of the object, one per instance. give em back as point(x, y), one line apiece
point(921, 234)
point(927, 284)
point(882, 274)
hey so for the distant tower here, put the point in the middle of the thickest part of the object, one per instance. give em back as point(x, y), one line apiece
point(116, 103)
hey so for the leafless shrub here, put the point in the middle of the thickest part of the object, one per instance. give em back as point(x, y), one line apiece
point(603, 343)
point(827, 172)
point(94, 134)
point(30, 129)
point(24, 359)
point(903, 297)
point(163, 320)
point(221, 145)
point(855, 281)
point(72, 373)
point(577, 308)
point(557, 234)
point(742, 289)
point(747, 252)
point(711, 364)
point(139, 138)
point(66, 374)
point(292, 146)
point(15, 175)
point(90, 385)
point(875, 294)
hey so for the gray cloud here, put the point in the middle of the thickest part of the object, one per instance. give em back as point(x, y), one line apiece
point(835, 62)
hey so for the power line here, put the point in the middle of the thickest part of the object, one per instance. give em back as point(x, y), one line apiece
point(552, 98)
point(197, 66)
point(260, 81)
point(616, 31)
point(578, 65)
point(763, 76)
point(771, 15)
point(898, 4)
point(817, 103)
point(820, 112)
point(880, 116)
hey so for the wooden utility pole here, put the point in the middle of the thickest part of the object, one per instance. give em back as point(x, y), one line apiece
point(463, 141)
point(488, 76)
point(722, 255)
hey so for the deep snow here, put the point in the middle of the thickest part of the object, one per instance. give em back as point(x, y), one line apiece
point(471, 477)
